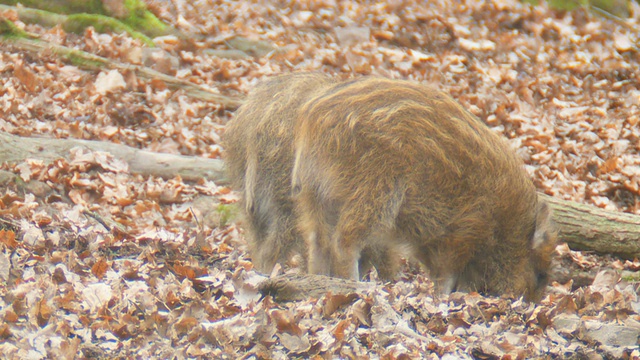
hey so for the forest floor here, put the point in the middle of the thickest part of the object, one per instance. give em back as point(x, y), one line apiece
point(97, 262)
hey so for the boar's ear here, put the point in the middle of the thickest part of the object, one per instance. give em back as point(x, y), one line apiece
point(544, 237)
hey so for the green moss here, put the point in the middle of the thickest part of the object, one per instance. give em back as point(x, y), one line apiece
point(78, 22)
point(61, 6)
point(9, 30)
point(76, 57)
point(143, 20)
point(631, 276)
point(136, 20)
point(80, 60)
point(568, 5)
point(619, 8)
point(560, 4)
point(227, 213)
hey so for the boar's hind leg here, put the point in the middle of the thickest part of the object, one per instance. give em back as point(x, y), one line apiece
point(258, 225)
point(276, 242)
point(319, 253)
point(270, 226)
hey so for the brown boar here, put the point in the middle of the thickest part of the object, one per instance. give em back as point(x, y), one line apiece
point(386, 164)
point(258, 156)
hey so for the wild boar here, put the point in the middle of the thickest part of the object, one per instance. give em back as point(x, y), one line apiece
point(258, 155)
point(392, 164)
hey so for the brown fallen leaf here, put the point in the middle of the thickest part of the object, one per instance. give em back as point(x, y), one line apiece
point(333, 302)
point(285, 322)
point(8, 238)
point(10, 316)
point(5, 331)
point(26, 76)
point(186, 324)
point(295, 344)
point(436, 324)
point(338, 331)
point(362, 311)
point(43, 312)
point(184, 271)
point(100, 268)
point(58, 276)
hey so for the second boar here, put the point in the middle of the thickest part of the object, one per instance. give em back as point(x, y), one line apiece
point(258, 155)
point(258, 145)
point(394, 165)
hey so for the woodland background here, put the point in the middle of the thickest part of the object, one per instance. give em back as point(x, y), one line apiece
point(110, 253)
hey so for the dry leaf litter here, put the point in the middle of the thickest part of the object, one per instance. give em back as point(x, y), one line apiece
point(98, 262)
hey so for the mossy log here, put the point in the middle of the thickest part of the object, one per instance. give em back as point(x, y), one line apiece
point(131, 15)
point(90, 61)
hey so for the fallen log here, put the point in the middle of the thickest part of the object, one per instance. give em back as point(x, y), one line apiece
point(582, 227)
point(294, 287)
point(15, 149)
point(90, 61)
point(586, 227)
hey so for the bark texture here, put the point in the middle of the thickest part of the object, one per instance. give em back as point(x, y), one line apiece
point(294, 287)
point(586, 227)
point(14, 149)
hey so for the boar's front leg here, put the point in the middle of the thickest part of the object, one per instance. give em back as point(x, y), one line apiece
point(340, 222)
point(316, 228)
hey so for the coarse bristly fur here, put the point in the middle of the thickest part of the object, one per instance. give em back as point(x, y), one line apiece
point(378, 165)
point(258, 156)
